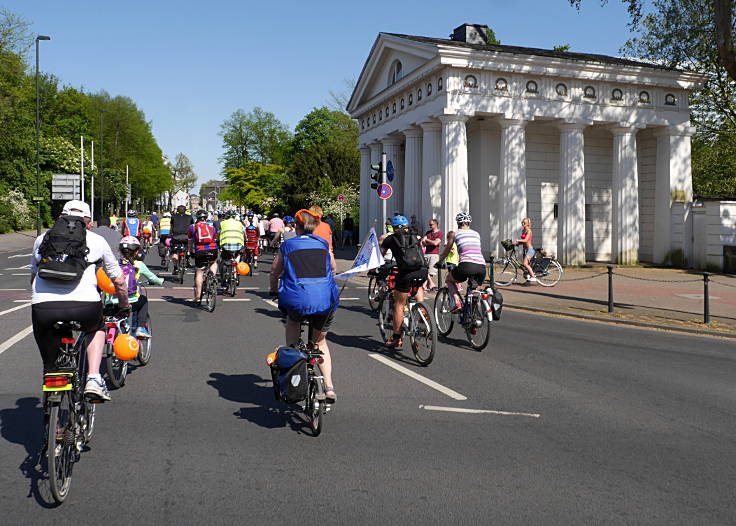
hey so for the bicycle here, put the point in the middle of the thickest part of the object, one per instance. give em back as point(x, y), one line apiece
point(475, 315)
point(208, 294)
point(229, 278)
point(547, 270)
point(377, 287)
point(315, 403)
point(249, 257)
point(116, 368)
point(183, 256)
point(418, 323)
point(70, 416)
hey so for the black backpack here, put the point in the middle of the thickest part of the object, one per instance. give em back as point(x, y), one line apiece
point(63, 251)
point(411, 257)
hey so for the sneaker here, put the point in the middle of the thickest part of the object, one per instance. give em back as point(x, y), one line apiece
point(175, 271)
point(532, 280)
point(142, 334)
point(96, 390)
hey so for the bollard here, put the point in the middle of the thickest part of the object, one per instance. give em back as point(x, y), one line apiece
point(706, 299)
point(490, 271)
point(610, 289)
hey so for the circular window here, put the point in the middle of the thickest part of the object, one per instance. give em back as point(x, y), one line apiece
point(402, 104)
point(411, 99)
point(644, 97)
point(617, 94)
point(419, 94)
point(471, 81)
point(429, 89)
point(531, 87)
point(393, 108)
point(670, 99)
point(502, 84)
point(439, 84)
point(589, 92)
point(561, 90)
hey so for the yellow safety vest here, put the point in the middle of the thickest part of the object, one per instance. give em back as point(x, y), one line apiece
point(165, 223)
point(453, 257)
point(231, 231)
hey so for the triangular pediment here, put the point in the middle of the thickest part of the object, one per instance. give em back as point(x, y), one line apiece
point(378, 71)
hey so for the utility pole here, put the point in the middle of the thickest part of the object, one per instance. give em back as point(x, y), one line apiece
point(127, 191)
point(92, 181)
point(383, 180)
point(102, 174)
point(81, 157)
point(38, 141)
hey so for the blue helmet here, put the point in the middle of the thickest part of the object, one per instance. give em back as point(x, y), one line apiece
point(399, 221)
point(289, 219)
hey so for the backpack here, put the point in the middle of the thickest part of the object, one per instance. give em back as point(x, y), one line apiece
point(496, 303)
point(204, 233)
point(411, 257)
point(63, 251)
point(290, 374)
point(307, 284)
point(129, 273)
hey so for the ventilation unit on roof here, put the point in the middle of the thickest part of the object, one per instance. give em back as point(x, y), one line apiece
point(471, 33)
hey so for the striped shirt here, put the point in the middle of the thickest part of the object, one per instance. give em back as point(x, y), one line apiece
point(468, 245)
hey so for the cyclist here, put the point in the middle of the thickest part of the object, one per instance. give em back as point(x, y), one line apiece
point(231, 237)
point(180, 223)
point(155, 220)
point(133, 268)
point(322, 230)
point(132, 225)
point(56, 300)
point(164, 234)
point(471, 263)
point(147, 231)
point(525, 240)
point(308, 289)
point(275, 227)
point(404, 246)
point(251, 241)
point(289, 227)
point(203, 239)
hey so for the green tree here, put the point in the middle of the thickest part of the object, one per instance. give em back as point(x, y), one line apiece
point(253, 136)
point(183, 176)
point(256, 186)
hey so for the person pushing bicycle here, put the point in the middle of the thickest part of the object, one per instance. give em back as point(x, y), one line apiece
point(471, 262)
point(404, 246)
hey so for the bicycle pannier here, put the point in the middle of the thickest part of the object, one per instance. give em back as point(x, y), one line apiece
point(290, 370)
point(496, 303)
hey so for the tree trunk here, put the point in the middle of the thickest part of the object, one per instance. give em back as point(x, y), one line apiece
point(723, 10)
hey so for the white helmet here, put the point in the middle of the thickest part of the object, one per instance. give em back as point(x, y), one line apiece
point(463, 217)
point(167, 214)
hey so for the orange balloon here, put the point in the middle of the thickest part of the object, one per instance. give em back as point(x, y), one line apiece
point(243, 268)
point(126, 347)
point(271, 358)
point(104, 282)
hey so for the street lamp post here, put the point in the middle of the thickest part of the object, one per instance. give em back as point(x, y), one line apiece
point(38, 141)
point(102, 175)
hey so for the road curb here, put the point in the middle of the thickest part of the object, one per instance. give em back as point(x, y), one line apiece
point(641, 324)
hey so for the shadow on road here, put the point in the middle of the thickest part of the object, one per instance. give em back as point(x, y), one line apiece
point(23, 425)
point(264, 410)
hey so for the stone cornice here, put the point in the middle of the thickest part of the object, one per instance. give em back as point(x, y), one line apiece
point(682, 130)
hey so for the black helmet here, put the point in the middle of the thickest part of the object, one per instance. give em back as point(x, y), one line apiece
point(201, 215)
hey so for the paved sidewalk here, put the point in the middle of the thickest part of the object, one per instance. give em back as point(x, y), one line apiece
point(654, 297)
point(17, 241)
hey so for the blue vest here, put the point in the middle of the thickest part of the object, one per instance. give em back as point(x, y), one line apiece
point(307, 285)
point(133, 224)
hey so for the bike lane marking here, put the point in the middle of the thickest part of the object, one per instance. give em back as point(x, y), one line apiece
point(25, 304)
point(15, 339)
point(477, 411)
point(418, 377)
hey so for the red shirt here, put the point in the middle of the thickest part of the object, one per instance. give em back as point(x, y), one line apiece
point(433, 236)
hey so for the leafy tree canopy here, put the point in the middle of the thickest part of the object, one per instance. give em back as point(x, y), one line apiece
point(253, 136)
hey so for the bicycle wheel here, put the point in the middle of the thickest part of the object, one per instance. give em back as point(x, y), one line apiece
point(504, 271)
point(88, 419)
point(442, 311)
point(116, 368)
point(60, 447)
point(210, 292)
point(423, 334)
point(315, 408)
point(144, 353)
point(550, 276)
point(478, 328)
point(372, 293)
point(182, 269)
point(386, 318)
point(232, 285)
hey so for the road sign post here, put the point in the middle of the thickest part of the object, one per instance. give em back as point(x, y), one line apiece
point(383, 180)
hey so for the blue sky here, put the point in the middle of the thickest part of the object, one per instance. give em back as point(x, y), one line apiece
point(189, 64)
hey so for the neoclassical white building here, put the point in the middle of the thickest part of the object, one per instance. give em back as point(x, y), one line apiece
point(594, 149)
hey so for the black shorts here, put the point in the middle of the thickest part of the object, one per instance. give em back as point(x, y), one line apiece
point(44, 315)
point(320, 322)
point(473, 271)
point(203, 258)
point(406, 280)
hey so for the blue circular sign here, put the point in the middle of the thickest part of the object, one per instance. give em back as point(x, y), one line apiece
point(385, 191)
point(390, 171)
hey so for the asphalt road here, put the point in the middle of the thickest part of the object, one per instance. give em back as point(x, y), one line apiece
point(633, 426)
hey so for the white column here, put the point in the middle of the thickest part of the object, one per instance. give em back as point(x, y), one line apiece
point(454, 170)
point(365, 191)
point(431, 172)
point(625, 197)
point(571, 196)
point(483, 149)
point(392, 148)
point(673, 183)
point(374, 203)
point(413, 174)
point(512, 177)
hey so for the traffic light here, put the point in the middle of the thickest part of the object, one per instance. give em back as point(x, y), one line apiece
point(376, 175)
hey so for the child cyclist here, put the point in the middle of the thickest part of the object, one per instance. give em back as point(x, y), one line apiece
point(133, 269)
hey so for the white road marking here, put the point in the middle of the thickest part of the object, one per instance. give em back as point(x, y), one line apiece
point(696, 296)
point(477, 411)
point(21, 301)
point(349, 298)
point(248, 288)
point(15, 339)
point(24, 267)
point(235, 299)
point(22, 274)
point(272, 303)
point(418, 377)
point(14, 308)
point(20, 256)
point(5, 290)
